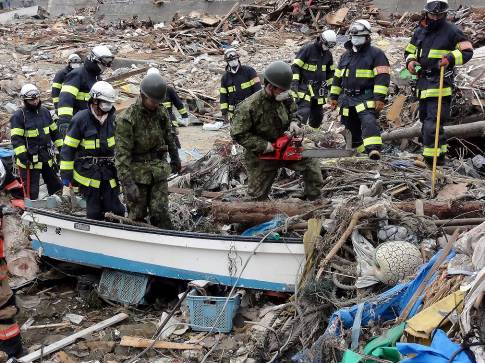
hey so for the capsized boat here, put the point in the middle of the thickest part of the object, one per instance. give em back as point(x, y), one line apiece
point(275, 265)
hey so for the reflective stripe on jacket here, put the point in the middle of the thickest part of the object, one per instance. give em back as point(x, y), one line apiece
point(235, 88)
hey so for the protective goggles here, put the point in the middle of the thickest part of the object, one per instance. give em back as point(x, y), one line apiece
point(231, 56)
point(31, 95)
point(436, 8)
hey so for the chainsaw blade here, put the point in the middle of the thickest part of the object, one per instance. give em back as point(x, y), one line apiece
point(327, 153)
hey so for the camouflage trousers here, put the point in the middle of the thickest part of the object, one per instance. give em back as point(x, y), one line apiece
point(153, 201)
point(262, 173)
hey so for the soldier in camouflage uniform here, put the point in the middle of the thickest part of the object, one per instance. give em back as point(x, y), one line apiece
point(259, 121)
point(143, 139)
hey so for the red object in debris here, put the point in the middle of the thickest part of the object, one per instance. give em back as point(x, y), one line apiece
point(309, 3)
point(18, 203)
point(286, 148)
point(15, 184)
point(296, 8)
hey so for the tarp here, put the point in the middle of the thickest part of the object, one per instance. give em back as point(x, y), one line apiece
point(5, 153)
point(384, 307)
point(263, 228)
point(440, 351)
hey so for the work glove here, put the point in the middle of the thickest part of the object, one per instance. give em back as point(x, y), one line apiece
point(412, 67)
point(63, 127)
point(333, 104)
point(24, 158)
point(176, 166)
point(269, 148)
point(379, 106)
point(295, 129)
point(444, 61)
point(131, 191)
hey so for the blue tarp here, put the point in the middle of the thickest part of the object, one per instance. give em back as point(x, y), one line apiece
point(384, 307)
point(5, 153)
point(263, 228)
point(440, 351)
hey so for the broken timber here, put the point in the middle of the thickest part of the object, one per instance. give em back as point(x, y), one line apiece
point(259, 212)
point(72, 338)
point(473, 208)
point(474, 129)
point(136, 342)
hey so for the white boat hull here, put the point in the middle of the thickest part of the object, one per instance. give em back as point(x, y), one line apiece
point(181, 255)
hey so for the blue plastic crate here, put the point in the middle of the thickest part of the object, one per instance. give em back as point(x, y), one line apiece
point(204, 311)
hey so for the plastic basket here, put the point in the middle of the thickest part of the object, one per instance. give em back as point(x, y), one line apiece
point(204, 311)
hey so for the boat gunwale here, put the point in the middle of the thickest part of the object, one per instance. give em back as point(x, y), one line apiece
point(158, 231)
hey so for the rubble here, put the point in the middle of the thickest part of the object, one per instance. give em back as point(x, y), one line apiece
point(348, 291)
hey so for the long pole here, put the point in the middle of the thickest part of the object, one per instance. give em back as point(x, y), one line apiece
point(437, 132)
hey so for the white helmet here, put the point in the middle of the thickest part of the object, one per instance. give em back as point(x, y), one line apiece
point(74, 58)
point(102, 54)
point(29, 92)
point(231, 54)
point(153, 70)
point(103, 91)
point(436, 7)
point(360, 27)
point(329, 38)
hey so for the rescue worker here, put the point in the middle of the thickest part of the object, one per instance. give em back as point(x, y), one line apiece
point(74, 94)
point(259, 121)
point(87, 156)
point(10, 340)
point(143, 139)
point(73, 62)
point(32, 133)
point(172, 99)
point(237, 83)
point(435, 43)
point(313, 71)
point(362, 79)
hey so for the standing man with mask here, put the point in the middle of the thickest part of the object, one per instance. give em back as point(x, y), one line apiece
point(143, 140)
point(237, 83)
point(362, 80)
point(259, 121)
point(435, 43)
point(313, 71)
point(87, 156)
point(32, 133)
point(74, 94)
point(73, 62)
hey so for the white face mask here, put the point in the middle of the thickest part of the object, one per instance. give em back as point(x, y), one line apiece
point(75, 65)
point(102, 68)
point(105, 106)
point(357, 40)
point(234, 64)
point(282, 96)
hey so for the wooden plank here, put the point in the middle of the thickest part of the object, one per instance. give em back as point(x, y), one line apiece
point(136, 342)
point(394, 112)
point(72, 338)
point(233, 9)
point(119, 77)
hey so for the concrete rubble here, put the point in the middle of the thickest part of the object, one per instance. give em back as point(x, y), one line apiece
point(356, 285)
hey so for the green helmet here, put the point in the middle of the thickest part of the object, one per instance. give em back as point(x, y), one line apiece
point(153, 86)
point(279, 74)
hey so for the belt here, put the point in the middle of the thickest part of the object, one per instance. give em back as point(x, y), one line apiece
point(358, 92)
point(99, 160)
point(154, 155)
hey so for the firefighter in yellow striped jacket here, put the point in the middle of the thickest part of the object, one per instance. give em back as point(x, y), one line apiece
point(313, 72)
point(87, 156)
point(435, 43)
point(362, 82)
point(237, 83)
point(73, 62)
point(74, 94)
point(33, 131)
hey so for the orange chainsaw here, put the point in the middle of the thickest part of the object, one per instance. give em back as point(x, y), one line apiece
point(290, 148)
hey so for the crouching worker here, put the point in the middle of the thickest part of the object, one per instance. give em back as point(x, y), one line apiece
point(259, 121)
point(87, 157)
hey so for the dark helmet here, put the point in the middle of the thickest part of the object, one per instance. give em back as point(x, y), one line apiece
point(153, 86)
point(279, 74)
point(436, 7)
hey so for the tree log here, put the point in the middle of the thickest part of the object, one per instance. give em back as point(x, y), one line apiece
point(474, 129)
point(445, 209)
point(258, 212)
